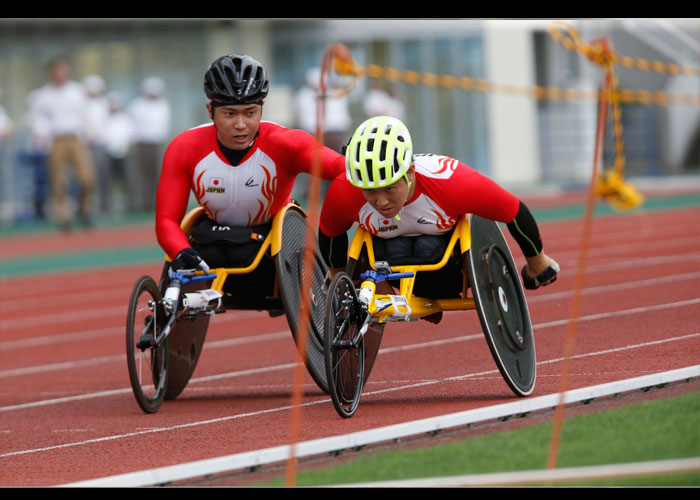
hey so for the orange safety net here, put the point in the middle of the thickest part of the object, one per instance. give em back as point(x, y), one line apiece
point(341, 53)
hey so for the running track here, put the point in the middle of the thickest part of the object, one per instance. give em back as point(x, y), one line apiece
point(67, 413)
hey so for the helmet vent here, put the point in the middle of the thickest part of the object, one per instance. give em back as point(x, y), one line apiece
point(382, 152)
point(370, 173)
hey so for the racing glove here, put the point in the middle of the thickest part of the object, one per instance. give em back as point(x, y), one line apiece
point(188, 259)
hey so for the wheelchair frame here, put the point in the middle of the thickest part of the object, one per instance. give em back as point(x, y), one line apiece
point(192, 340)
point(350, 312)
point(406, 306)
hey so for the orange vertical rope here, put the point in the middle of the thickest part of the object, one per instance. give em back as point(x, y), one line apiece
point(604, 102)
point(313, 216)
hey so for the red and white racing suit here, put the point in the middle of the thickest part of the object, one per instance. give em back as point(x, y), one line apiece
point(445, 189)
point(247, 194)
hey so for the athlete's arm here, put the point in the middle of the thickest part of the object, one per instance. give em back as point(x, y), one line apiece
point(171, 201)
point(334, 250)
point(337, 217)
point(524, 230)
point(540, 268)
point(468, 191)
point(331, 163)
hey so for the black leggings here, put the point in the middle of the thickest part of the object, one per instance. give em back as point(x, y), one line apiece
point(235, 248)
point(444, 283)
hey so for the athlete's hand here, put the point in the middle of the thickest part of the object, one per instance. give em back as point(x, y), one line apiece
point(189, 259)
point(539, 271)
point(332, 271)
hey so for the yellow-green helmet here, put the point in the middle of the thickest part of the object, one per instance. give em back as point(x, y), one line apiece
point(379, 153)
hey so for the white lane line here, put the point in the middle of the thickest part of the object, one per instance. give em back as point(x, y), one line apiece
point(618, 255)
point(118, 392)
point(615, 287)
point(625, 263)
point(325, 400)
point(229, 316)
point(61, 338)
point(119, 311)
point(237, 315)
point(34, 319)
point(38, 319)
point(635, 310)
point(280, 454)
point(257, 338)
point(539, 363)
point(68, 365)
point(284, 334)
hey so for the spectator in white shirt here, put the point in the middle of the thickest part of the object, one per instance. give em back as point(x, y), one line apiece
point(60, 107)
point(151, 115)
point(6, 174)
point(336, 120)
point(118, 138)
point(97, 112)
point(379, 102)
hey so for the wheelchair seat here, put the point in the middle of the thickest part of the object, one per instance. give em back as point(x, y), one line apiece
point(270, 268)
point(415, 250)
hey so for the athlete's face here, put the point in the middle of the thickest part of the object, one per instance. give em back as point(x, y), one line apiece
point(237, 125)
point(389, 200)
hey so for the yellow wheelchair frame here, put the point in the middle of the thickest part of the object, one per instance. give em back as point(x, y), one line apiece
point(356, 315)
point(183, 331)
point(388, 307)
point(271, 246)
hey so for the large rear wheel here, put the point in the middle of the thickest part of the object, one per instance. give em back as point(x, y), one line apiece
point(501, 305)
point(292, 273)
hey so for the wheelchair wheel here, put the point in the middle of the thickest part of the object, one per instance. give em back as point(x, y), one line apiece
point(185, 342)
point(373, 338)
point(290, 264)
point(148, 365)
point(501, 306)
point(345, 370)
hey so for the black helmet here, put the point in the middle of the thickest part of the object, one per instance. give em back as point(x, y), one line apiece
point(236, 79)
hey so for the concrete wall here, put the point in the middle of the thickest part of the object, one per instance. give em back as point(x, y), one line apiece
point(511, 119)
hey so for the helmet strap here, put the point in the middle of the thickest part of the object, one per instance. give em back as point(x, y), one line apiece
point(405, 176)
point(408, 181)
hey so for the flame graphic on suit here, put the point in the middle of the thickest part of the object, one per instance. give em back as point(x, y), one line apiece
point(267, 189)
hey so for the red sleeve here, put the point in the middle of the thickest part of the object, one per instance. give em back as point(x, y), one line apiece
point(172, 197)
point(467, 191)
point(304, 144)
point(341, 206)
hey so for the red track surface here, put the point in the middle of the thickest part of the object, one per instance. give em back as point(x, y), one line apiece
point(67, 412)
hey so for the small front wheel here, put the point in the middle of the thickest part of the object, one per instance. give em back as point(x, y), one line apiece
point(147, 362)
point(344, 347)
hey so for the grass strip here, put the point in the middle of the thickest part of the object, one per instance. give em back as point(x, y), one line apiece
point(649, 431)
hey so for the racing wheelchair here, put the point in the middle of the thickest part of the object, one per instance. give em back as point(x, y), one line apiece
point(167, 321)
point(363, 299)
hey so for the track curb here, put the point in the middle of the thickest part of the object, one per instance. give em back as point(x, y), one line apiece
point(336, 444)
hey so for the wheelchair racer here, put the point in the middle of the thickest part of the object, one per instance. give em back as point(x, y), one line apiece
point(411, 202)
point(240, 169)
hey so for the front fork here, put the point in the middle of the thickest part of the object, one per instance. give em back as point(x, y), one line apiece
point(171, 304)
point(365, 295)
